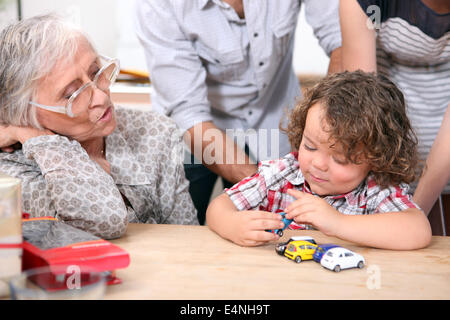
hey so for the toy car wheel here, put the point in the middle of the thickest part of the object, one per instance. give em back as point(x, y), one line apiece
point(280, 233)
point(360, 264)
point(337, 268)
point(298, 259)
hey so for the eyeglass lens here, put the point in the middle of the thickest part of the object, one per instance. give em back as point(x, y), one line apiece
point(84, 98)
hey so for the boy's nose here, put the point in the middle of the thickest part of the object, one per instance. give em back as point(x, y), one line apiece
point(320, 163)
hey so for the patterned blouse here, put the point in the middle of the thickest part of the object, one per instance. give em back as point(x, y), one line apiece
point(147, 182)
point(267, 189)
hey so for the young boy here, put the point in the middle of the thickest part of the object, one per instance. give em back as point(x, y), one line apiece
point(356, 154)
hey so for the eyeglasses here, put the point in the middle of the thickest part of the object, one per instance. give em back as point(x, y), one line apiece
point(81, 99)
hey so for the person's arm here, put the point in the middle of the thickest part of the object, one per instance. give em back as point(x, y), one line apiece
point(218, 152)
point(67, 184)
point(323, 17)
point(407, 229)
point(245, 228)
point(358, 40)
point(436, 173)
point(178, 79)
point(335, 64)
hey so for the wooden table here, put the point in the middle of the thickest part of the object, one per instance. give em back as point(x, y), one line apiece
point(192, 262)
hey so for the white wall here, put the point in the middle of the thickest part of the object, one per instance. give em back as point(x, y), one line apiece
point(8, 12)
point(96, 17)
point(110, 24)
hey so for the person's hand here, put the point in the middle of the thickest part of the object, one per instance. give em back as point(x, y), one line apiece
point(10, 135)
point(7, 138)
point(309, 209)
point(249, 227)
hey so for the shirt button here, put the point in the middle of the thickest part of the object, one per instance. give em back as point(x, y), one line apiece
point(217, 60)
point(261, 64)
point(255, 34)
point(250, 112)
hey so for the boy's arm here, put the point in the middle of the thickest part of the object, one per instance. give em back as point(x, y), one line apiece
point(245, 228)
point(405, 230)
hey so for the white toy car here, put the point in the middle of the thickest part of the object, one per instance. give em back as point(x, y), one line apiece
point(340, 258)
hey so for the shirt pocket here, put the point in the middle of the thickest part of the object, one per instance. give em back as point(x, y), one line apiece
point(222, 66)
point(283, 30)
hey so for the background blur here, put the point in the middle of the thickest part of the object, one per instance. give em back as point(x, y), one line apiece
point(110, 24)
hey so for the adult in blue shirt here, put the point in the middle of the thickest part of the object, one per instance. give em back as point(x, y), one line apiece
point(224, 67)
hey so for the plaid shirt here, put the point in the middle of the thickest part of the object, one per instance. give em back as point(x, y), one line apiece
point(267, 189)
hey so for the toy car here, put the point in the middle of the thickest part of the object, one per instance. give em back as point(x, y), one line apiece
point(300, 250)
point(321, 250)
point(339, 258)
point(286, 222)
point(281, 247)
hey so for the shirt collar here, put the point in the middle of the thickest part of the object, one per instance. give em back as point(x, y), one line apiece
point(203, 3)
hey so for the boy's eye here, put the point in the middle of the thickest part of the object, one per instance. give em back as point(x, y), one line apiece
point(340, 160)
point(308, 147)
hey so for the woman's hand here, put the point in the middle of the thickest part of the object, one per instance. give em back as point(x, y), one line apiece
point(309, 209)
point(249, 227)
point(7, 138)
point(10, 135)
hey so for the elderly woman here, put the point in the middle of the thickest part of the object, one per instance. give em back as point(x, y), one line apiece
point(80, 159)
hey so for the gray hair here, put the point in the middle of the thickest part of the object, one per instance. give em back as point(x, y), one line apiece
point(29, 50)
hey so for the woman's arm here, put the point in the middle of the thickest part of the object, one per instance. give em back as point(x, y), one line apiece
point(358, 40)
point(437, 170)
point(245, 228)
point(59, 179)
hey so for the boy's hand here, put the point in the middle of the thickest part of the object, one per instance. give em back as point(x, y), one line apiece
point(315, 211)
point(249, 227)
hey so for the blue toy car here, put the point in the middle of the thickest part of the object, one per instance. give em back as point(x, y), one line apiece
point(321, 250)
point(286, 222)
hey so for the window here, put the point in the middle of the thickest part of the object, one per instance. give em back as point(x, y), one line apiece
point(291, 248)
point(330, 254)
point(348, 254)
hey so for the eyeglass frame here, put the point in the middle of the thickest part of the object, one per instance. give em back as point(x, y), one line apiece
point(67, 109)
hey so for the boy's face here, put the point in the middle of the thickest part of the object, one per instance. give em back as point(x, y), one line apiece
point(322, 162)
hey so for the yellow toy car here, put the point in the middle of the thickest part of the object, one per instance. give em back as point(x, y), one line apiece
point(300, 250)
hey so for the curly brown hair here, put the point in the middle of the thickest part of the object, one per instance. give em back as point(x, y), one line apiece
point(366, 114)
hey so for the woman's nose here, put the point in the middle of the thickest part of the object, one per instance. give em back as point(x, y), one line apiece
point(99, 97)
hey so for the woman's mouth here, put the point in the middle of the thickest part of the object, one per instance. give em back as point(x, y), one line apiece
point(107, 115)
